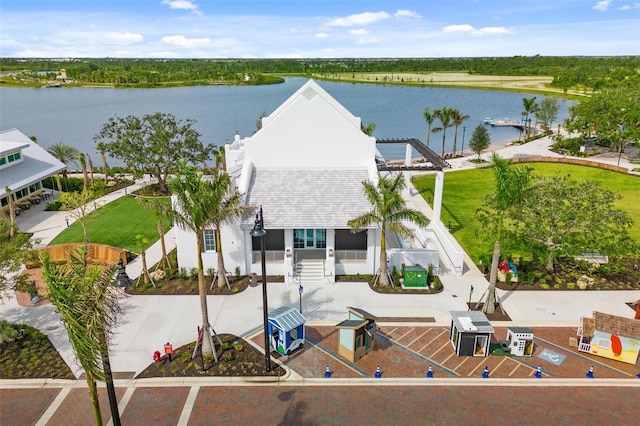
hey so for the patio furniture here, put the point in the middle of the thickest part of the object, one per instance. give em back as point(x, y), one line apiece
point(25, 205)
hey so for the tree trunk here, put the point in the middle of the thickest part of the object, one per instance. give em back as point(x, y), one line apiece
point(383, 278)
point(443, 141)
point(490, 302)
point(165, 257)
point(202, 290)
point(90, 170)
point(93, 394)
point(111, 391)
point(59, 182)
point(12, 214)
point(145, 271)
point(106, 167)
point(222, 273)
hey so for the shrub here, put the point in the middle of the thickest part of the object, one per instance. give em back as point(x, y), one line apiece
point(228, 356)
point(544, 286)
point(557, 286)
point(508, 278)
point(437, 284)
point(237, 272)
point(183, 273)
point(571, 286)
point(225, 345)
point(237, 346)
point(211, 272)
point(54, 206)
point(193, 273)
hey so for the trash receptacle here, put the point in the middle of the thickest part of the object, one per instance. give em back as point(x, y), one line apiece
point(415, 276)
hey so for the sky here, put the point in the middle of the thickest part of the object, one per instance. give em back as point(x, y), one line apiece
point(317, 28)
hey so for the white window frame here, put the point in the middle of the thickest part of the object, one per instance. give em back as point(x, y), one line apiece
point(208, 240)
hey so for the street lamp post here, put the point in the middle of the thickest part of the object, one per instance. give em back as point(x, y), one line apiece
point(300, 290)
point(464, 130)
point(258, 231)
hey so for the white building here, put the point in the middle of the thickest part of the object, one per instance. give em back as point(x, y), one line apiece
point(305, 167)
point(23, 167)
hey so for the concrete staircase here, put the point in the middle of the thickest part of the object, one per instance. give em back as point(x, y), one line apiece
point(310, 271)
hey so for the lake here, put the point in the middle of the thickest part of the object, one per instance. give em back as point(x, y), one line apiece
point(75, 115)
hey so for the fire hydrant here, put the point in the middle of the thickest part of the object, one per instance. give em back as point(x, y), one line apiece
point(157, 357)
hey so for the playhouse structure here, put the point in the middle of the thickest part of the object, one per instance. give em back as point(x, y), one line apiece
point(357, 334)
point(610, 336)
point(519, 341)
point(470, 333)
point(286, 330)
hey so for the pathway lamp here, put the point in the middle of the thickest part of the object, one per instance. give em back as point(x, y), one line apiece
point(300, 291)
point(464, 130)
point(258, 231)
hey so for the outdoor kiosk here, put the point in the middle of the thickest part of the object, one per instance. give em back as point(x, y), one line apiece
point(357, 334)
point(286, 330)
point(470, 333)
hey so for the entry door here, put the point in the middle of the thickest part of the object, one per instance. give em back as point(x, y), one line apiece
point(309, 238)
point(480, 347)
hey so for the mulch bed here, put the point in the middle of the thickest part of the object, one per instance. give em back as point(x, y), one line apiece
point(189, 286)
point(236, 358)
point(496, 316)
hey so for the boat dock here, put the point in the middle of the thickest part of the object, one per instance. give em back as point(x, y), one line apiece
point(504, 123)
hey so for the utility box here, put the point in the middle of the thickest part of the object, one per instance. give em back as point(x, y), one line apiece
point(415, 276)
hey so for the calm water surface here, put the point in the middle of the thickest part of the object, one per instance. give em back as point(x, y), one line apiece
point(75, 115)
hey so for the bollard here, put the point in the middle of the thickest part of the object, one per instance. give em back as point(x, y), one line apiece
point(430, 373)
point(378, 373)
point(638, 375)
point(485, 373)
point(327, 373)
point(538, 373)
point(590, 372)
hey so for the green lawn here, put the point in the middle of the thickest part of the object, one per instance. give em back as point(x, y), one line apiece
point(465, 190)
point(116, 224)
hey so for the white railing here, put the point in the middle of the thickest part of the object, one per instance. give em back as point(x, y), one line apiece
point(584, 347)
point(270, 256)
point(351, 256)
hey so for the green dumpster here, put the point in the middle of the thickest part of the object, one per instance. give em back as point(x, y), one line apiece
point(415, 276)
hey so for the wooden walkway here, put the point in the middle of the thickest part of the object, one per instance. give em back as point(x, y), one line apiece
point(434, 162)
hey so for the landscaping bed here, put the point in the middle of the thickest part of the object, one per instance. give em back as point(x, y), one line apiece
point(617, 274)
point(236, 357)
point(178, 285)
point(26, 353)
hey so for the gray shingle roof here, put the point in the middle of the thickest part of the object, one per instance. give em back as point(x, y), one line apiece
point(303, 198)
point(471, 321)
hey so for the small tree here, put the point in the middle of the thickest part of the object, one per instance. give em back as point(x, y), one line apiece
point(530, 106)
point(84, 296)
point(159, 208)
point(388, 211)
point(65, 154)
point(79, 205)
point(547, 111)
point(480, 140)
point(14, 251)
point(458, 118)
point(369, 128)
point(429, 117)
point(445, 115)
point(142, 241)
point(102, 149)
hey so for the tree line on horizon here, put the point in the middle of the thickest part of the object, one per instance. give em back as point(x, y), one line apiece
point(587, 73)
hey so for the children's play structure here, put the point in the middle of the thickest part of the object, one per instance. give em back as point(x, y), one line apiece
point(286, 329)
point(357, 334)
point(610, 336)
point(519, 341)
point(470, 333)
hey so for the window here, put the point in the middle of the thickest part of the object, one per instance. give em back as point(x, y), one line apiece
point(3, 160)
point(298, 238)
point(13, 157)
point(209, 240)
point(309, 238)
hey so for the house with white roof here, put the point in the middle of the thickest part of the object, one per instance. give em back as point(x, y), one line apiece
point(23, 166)
point(305, 167)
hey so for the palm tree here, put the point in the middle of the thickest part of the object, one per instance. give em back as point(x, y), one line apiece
point(156, 205)
point(65, 154)
point(444, 115)
point(102, 149)
point(142, 241)
point(511, 184)
point(83, 163)
point(194, 204)
point(12, 213)
point(429, 117)
point(83, 295)
point(90, 164)
point(369, 128)
point(388, 211)
point(530, 106)
point(228, 209)
point(458, 118)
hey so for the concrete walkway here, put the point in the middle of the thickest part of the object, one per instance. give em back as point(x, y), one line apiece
point(147, 322)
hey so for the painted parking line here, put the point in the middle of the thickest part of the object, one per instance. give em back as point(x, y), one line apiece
point(400, 338)
point(460, 365)
point(432, 340)
point(514, 370)
point(592, 361)
point(419, 355)
point(441, 348)
point(336, 357)
point(413, 341)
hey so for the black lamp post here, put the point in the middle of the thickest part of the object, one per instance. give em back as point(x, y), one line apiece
point(464, 130)
point(300, 290)
point(258, 231)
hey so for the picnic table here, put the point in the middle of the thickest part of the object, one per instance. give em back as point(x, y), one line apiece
point(25, 205)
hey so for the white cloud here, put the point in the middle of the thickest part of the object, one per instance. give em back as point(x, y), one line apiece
point(634, 5)
point(182, 41)
point(360, 31)
point(465, 28)
point(468, 29)
point(358, 19)
point(322, 35)
point(180, 4)
point(602, 6)
point(404, 13)
point(122, 38)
